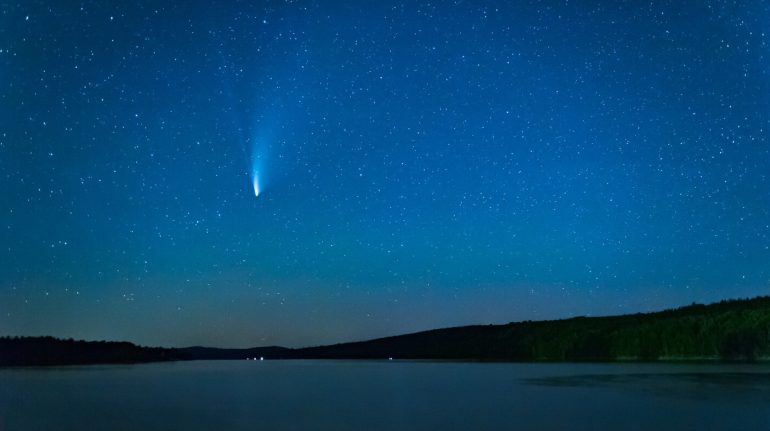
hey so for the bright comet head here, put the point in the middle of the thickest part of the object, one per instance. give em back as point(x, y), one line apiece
point(255, 182)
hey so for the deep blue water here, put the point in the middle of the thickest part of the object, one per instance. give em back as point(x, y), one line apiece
point(387, 395)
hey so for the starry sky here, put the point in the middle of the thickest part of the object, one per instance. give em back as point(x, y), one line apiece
point(420, 165)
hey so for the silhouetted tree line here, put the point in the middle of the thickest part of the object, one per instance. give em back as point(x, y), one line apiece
point(729, 330)
point(54, 351)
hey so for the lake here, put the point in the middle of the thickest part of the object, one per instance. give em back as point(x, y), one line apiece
point(385, 395)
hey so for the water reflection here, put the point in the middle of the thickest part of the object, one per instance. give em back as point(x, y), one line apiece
point(731, 386)
point(385, 395)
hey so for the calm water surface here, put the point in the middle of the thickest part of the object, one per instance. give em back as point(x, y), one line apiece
point(387, 395)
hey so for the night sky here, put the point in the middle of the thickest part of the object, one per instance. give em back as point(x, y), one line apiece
point(420, 165)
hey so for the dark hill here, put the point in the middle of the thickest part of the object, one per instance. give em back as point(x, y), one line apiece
point(54, 351)
point(728, 330)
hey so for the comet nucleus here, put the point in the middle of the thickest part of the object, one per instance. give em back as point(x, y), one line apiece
point(255, 182)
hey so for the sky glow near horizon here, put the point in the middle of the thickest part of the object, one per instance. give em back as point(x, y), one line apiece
point(416, 165)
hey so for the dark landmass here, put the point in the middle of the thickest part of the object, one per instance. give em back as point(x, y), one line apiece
point(53, 351)
point(198, 352)
point(735, 330)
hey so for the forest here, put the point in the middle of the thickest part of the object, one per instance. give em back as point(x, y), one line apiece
point(730, 330)
point(54, 351)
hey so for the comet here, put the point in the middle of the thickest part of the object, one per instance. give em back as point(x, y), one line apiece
point(255, 183)
point(258, 168)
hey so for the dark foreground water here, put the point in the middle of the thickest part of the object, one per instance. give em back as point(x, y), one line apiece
point(387, 395)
